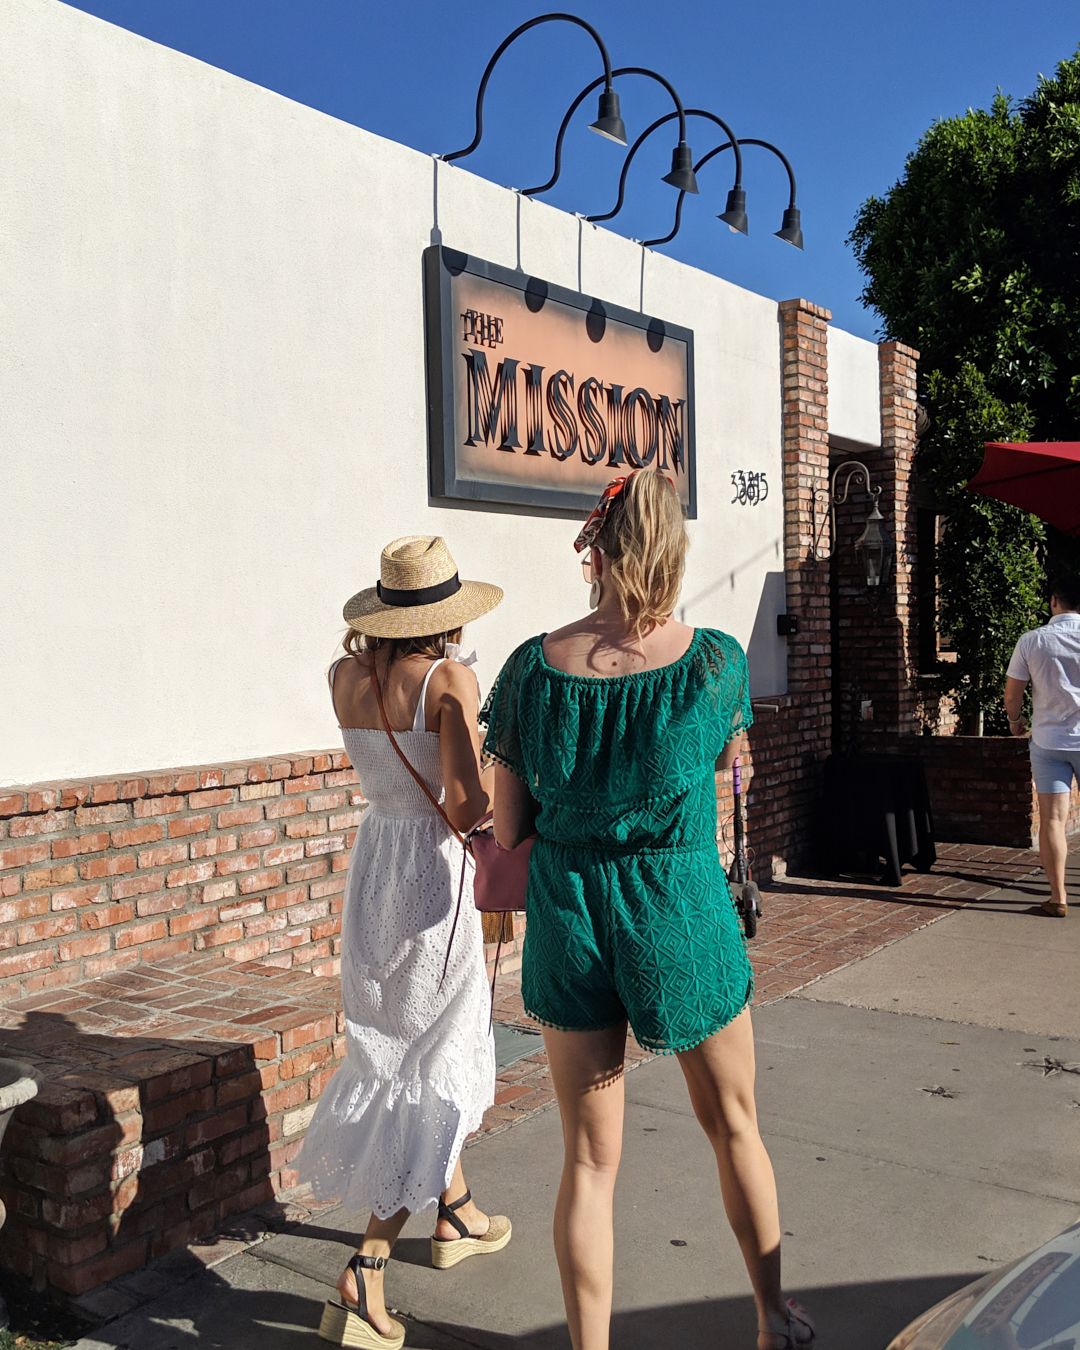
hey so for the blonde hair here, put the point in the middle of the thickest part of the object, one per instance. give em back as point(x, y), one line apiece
point(644, 540)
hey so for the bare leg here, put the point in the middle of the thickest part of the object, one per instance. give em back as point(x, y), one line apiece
point(1053, 847)
point(476, 1220)
point(379, 1238)
point(587, 1074)
point(720, 1076)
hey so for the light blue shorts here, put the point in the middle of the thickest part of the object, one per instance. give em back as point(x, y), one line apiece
point(1053, 770)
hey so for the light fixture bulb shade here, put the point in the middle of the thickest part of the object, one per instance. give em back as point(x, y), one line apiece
point(734, 216)
point(682, 169)
point(791, 230)
point(609, 123)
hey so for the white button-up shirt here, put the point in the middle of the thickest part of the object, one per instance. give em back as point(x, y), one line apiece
point(1050, 658)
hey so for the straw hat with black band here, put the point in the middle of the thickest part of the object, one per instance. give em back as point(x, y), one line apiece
point(418, 592)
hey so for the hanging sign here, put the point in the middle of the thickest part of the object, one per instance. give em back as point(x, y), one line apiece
point(539, 395)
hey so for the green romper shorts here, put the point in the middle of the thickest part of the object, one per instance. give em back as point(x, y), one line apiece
point(629, 912)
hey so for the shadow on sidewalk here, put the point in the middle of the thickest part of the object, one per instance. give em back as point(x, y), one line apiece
point(213, 1312)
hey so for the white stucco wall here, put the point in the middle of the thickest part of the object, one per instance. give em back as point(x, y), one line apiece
point(212, 405)
point(854, 400)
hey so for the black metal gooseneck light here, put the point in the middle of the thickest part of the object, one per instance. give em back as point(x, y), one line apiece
point(623, 70)
point(734, 215)
point(690, 112)
point(608, 122)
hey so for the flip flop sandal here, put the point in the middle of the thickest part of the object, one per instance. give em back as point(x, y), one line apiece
point(347, 1323)
point(447, 1252)
point(797, 1317)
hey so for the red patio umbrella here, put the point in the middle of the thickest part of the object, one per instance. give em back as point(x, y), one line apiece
point(1042, 477)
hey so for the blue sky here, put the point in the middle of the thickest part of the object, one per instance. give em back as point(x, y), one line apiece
point(844, 87)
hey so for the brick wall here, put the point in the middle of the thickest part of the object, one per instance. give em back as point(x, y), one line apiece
point(787, 747)
point(248, 858)
point(980, 787)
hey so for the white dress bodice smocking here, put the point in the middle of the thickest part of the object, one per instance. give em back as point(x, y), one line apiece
point(420, 1064)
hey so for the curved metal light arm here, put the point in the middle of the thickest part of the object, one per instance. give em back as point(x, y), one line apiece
point(727, 145)
point(780, 156)
point(850, 467)
point(524, 28)
point(623, 70)
point(690, 112)
point(544, 187)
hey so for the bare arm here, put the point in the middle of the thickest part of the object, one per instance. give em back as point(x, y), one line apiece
point(1014, 705)
point(515, 809)
point(457, 703)
point(730, 753)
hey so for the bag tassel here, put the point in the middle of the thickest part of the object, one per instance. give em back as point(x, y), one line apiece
point(498, 927)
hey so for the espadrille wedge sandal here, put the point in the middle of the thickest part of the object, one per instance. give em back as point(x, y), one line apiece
point(447, 1252)
point(347, 1323)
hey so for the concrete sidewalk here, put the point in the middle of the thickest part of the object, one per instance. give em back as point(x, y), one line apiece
point(993, 963)
point(913, 1152)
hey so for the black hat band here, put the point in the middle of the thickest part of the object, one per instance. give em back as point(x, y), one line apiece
point(426, 595)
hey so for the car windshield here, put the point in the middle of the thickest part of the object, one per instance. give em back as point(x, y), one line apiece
point(1034, 1306)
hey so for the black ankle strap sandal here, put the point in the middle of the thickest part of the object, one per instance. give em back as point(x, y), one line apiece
point(349, 1323)
point(447, 1212)
point(356, 1265)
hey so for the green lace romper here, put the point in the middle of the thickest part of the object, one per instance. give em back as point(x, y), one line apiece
point(629, 911)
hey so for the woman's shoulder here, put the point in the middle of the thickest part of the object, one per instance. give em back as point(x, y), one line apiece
point(523, 656)
point(719, 641)
point(720, 651)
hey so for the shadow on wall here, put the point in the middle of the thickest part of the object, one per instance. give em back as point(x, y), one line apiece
point(246, 1310)
point(766, 654)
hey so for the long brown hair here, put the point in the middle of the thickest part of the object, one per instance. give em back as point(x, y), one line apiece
point(432, 644)
point(645, 541)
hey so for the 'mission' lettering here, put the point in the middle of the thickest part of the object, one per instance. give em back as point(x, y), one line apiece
point(634, 429)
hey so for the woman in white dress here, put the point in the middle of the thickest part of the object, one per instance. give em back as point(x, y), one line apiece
point(420, 1069)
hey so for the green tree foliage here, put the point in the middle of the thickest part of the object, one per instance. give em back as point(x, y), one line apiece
point(973, 258)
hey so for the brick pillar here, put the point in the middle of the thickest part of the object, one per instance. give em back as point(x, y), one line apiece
point(898, 368)
point(805, 367)
point(788, 746)
point(877, 655)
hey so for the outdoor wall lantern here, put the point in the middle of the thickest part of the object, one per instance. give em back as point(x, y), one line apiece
point(873, 548)
point(608, 124)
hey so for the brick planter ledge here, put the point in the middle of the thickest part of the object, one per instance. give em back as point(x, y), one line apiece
point(175, 1096)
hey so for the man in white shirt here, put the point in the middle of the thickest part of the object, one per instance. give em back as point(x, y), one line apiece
point(1050, 658)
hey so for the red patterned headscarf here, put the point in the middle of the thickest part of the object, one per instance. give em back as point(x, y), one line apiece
point(595, 523)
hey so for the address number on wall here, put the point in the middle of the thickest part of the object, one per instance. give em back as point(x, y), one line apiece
point(751, 489)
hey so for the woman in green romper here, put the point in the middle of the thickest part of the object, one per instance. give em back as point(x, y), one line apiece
point(606, 736)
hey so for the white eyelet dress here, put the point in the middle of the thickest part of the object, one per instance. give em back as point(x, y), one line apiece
point(420, 1065)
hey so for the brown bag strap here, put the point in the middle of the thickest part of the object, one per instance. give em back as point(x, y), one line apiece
point(404, 758)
